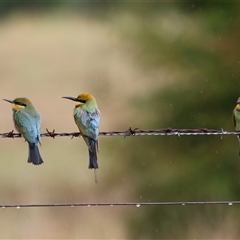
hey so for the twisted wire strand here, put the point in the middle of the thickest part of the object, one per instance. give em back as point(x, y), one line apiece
point(133, 132)
point(114, 204)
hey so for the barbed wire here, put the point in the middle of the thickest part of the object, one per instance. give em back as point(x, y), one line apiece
point(126, 133)
point(114, 204)
point(134, 132)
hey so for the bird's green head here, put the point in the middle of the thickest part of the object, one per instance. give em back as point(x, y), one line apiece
point(86, 97)
point(19, 103)
point(83, 99)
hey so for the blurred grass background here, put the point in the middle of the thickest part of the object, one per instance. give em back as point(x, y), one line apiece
point(149, 65)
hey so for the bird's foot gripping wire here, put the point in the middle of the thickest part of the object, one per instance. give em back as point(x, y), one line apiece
point(76, 134)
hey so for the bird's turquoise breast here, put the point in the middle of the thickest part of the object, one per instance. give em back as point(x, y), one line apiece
point(26, 125)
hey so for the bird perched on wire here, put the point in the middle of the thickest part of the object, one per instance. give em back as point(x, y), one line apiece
point(87, 118)
point(28, 122)
point(236, 119)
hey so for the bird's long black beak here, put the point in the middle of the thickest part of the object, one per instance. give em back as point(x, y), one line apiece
point(8, 100)
point(71, 98)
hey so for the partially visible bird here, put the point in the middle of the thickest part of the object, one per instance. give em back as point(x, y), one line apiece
point(236, 119)
point(28, 122)
point(87, 118)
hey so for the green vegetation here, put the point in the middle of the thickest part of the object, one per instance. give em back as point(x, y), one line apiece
point(206, 168)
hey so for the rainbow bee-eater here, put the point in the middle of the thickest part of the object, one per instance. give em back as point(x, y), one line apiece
point(27, 121)
point(236, 119)
point(87, 118)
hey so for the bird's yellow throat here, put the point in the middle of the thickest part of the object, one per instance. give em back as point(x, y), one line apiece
point(17, 107)
point(238, 107)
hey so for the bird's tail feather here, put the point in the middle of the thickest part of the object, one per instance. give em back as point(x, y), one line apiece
point(238, 136)
point(34, 156)
point(93, 156)
point(93, 164)
point(95, 175)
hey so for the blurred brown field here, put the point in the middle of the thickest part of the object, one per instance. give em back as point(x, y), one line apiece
point(44, 57)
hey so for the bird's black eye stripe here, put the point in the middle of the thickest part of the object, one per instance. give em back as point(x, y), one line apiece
point(81, 100)
point(19, 103)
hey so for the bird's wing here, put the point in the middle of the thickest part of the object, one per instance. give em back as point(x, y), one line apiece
point(88, 124)
point(93, 123)
point(26, 125)
point(234, 118)
point(38, 125)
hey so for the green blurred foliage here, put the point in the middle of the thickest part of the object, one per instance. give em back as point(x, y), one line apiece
point(141, 8)
point(190, 168)
point(7, 7)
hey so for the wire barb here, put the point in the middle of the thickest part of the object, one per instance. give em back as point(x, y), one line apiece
point(130, 132)
point(51, 134)
point(10, 134)
point(135, 132)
